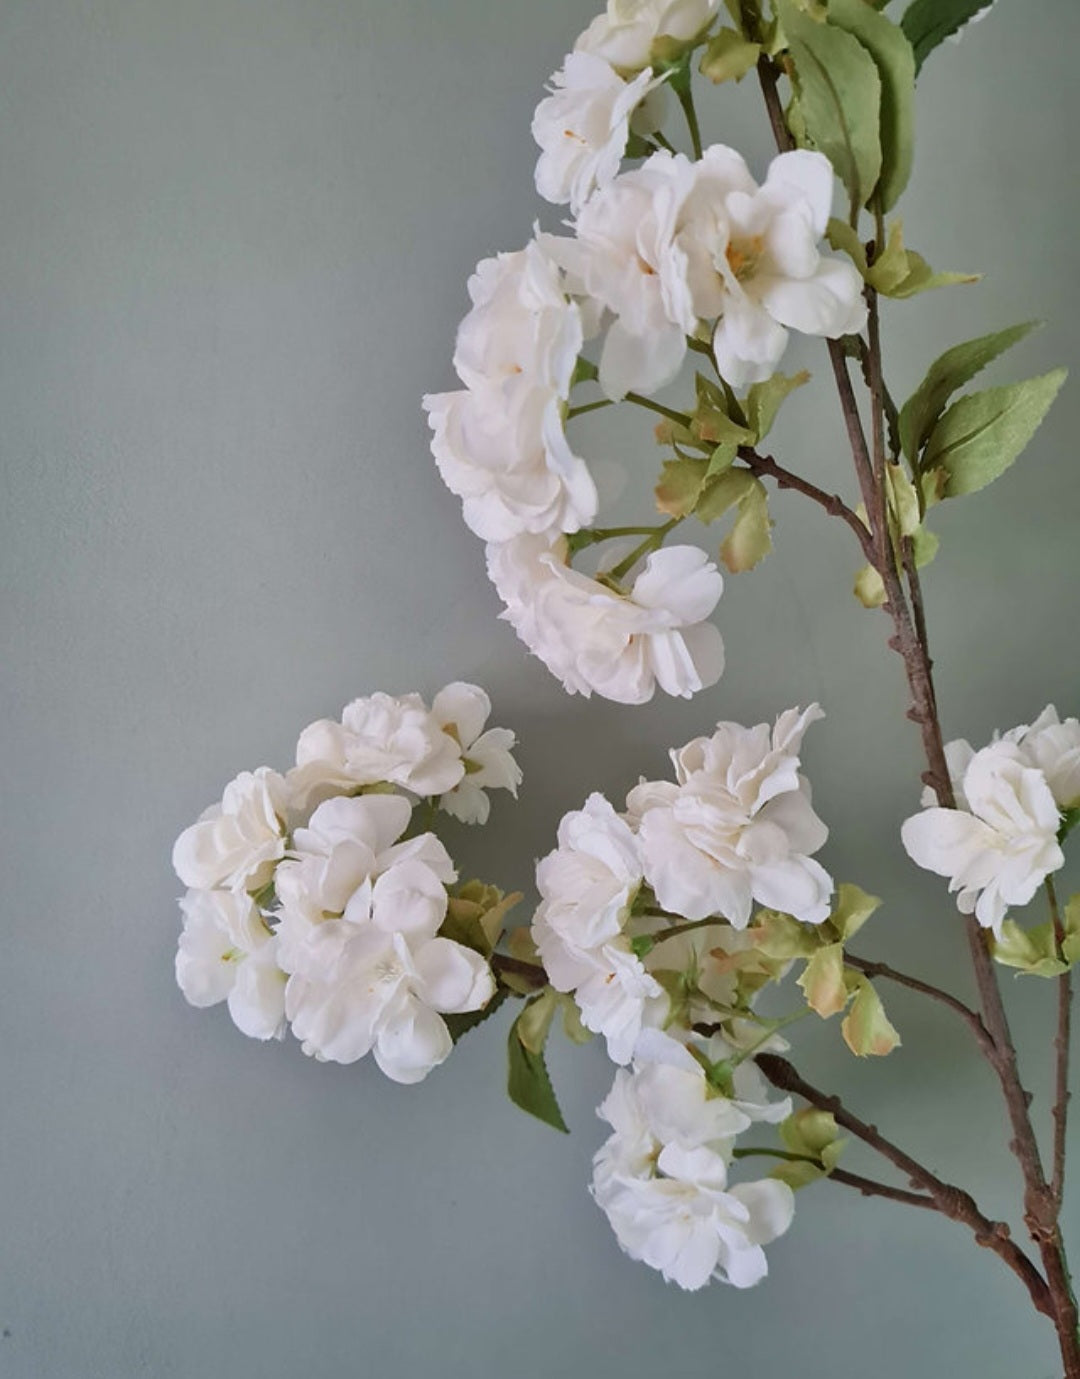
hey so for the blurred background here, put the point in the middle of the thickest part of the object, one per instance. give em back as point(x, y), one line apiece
point(235, 245)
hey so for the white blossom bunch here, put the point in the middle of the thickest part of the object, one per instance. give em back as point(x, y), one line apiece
point(736, 828)
point(662, 1176)
point(675, 253)
point(319, 898)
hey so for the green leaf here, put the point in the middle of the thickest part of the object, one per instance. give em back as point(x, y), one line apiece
point(763, 400)
point(980, 436)
point(945, 376)
point(891, 51)
point(461, 1024)
point(1071, 947)
point(823, 981)
point(723, 493)
point(729, 57)
point(845, 240)
point(528, 1083)
point(866, 1028)
point(681, 482)
point(929, 22)
point(534, 1023)
point(780, 936)
point(1032, 952)
point(475, 916)
point(869, 588)
point(853, 908)
point(839, 95)
point(797, 1173)
point(721, 459)
point(750, 539)
point(573, 1028)
point(899, 272)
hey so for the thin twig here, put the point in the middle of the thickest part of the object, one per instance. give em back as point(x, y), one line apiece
point(870, 1187)
point(831, 502)
point(951, 1201)
point(1061, 1050)
point(971, 1018)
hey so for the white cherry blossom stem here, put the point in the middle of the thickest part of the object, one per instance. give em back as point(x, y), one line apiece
point(1061, 1050)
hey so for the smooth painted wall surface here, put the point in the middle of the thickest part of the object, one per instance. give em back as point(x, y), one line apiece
point(235, 241)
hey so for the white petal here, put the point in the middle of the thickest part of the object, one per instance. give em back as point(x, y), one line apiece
point(412, 1042)
point(453, 977)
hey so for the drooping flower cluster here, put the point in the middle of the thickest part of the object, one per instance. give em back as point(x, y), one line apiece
point(675, 249)
point(316, 898)
point(736, 827)
point(662, 1176)
point(1001, 842)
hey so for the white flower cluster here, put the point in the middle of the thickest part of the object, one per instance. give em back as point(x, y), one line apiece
point(660, 253)
point(314, 900)
point(662, 1177)
point(1001, 842)
point(736, 827)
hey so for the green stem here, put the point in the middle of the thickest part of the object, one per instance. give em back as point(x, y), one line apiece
point(681, 87)
point(588, 407)
point(681, 418)
point(651, 543)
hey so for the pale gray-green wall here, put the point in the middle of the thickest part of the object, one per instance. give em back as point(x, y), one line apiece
point(235, 237)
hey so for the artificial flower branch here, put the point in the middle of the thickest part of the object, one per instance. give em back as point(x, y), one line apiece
point(325, 900)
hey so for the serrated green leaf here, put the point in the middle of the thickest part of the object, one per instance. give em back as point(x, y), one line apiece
point(573, 1028)
point(866, 1028)
point(854, 906)
point(729, 56)
point(869, 588)
point(723, 493)
point(721, 459)
point(929, 22)
point(839, 94)
point(681, 482)
point(980, 436)
point(891, 51)
point(764, 400)
point(945, 376)
point(475, 916)
point(533, 1025)
point(780, 936)
point(822, 981)
point(461, 1024)
point(750, 539)
point(1032, 952)
point(528, 1083)
point(845, 240)
point(901, 273)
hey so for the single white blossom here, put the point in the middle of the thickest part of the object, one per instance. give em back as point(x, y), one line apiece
point(237, 843)
point(462, 710)
point(625, 33)
point(500, 443)
point(583, 127)
point(661, 1178)
point(625, 256)
point(522, 322)
point(502, 450)
point(1002, 844)
point(358, 937)
point(753, 263)
point(227, 953)
point(619, 646)
point(380, 740)
point(587, 887)
point(738, 826)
